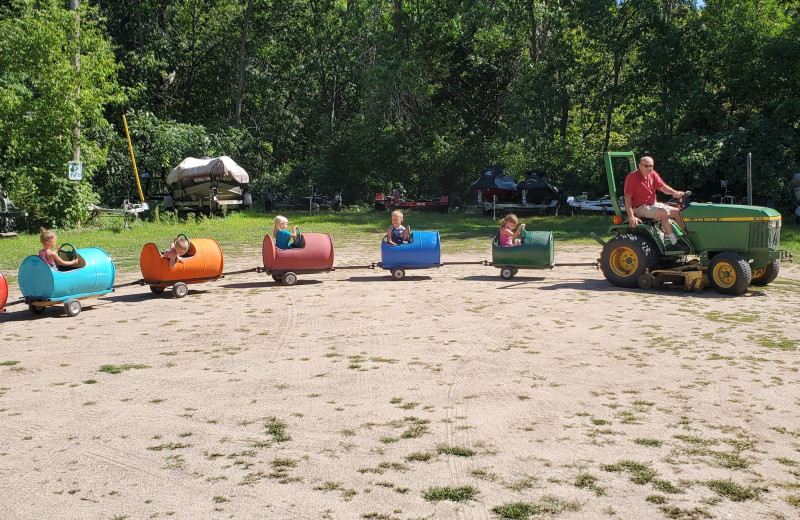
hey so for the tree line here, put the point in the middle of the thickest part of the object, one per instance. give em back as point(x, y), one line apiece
point(371, 95)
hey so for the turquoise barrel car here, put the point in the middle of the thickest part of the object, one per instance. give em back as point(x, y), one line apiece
point(43, 286)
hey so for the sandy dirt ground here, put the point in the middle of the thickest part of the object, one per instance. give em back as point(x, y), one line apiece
point(452, 394)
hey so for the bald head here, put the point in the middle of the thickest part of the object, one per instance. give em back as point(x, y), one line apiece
point(646, 165)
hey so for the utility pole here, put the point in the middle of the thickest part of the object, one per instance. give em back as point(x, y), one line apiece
point(74, 5)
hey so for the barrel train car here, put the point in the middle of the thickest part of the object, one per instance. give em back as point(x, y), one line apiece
point(534, 252)
point(310, 253)
point(43, 286)
point(422, 251)
point(3, 292)
point(203, 262)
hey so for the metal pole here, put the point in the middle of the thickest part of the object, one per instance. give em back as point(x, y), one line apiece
point(74, 5)
point(133, 159)
point(749, 179)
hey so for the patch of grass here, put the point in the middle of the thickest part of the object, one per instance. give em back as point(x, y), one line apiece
point(419, 456)
point(117, 369)
point(8, 363)
point(459, 494)
point(666, 486)
point(730, 460)
point(377, 516)
point(171, 446)
point(458, 451)
point(678, 513)
point(780, 343)
point(588, 481)
point(277, 429)
point(733, 491)
point(654, 443)
point(516, 511)
point(548, 505)
point(793, 500)
point(414, 431)
point(640, 473)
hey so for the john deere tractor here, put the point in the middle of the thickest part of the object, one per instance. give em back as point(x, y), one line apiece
point(727, 246)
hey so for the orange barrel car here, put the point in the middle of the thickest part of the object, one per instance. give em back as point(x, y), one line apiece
point(310, 253)
point(203, 262)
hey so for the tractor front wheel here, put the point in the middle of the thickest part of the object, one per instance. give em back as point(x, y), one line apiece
point(729, 273)
point(766, 274)
point(626, 257)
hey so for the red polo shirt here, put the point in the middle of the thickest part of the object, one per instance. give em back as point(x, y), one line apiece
point(641, 190)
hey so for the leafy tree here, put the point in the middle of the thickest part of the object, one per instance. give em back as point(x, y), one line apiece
point(42, 95)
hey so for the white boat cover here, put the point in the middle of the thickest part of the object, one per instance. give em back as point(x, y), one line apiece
point(193, 169)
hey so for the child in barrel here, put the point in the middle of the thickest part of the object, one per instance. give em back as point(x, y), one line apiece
point(508, 235)
point(397, 234)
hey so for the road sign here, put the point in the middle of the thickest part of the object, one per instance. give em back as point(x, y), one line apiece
point(75, 170)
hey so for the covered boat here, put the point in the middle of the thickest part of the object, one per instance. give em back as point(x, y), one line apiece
point(209, 184)
point(537, 189)
point(494, 182)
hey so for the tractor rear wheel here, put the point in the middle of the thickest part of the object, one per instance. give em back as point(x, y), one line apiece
point(729, 273)
point(626, 257)
point(766, 274)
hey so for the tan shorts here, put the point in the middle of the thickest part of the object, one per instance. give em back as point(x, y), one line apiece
point(651, 210)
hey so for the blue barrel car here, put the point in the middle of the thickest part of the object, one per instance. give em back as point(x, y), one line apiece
point(534, 252)
point(43, 286)
point(422, 251)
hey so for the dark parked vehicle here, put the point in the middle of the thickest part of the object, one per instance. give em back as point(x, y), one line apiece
point(313, 202)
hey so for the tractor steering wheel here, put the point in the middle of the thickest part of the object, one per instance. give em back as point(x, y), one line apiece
point(522, 234)
point(682, 202)
point(68, 250)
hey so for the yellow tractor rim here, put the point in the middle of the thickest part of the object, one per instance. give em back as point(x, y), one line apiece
point(623, 261)
point(724, 275)
point(759, 272)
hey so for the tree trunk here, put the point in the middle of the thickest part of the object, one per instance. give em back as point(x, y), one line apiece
point(242, 65)
point(612, 102)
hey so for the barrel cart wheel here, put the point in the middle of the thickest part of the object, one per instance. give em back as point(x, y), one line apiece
point(157, 289)
point(179, 290)
point(289, 278)
point(507, 272)
point(72, 307)
point(36, 309)
point(398, 273)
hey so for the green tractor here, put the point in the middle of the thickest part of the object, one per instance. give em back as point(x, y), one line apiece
point(730, 247)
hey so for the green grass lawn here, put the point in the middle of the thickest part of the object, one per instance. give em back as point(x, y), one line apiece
point(243, 233)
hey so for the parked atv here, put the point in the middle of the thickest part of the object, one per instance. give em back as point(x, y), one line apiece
point(729, 247)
